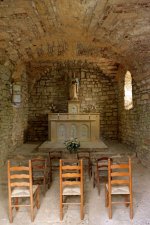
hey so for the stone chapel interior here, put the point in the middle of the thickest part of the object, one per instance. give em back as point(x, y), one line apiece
point(76, 69)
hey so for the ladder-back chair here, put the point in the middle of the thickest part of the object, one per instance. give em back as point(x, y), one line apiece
point(119, 183)
point(71, 182)
point(54, 158)
point(40, 172)
point(101, 172)
point(20, 187)
point(85, 156)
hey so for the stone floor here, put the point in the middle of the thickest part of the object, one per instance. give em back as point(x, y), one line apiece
point(94, 205)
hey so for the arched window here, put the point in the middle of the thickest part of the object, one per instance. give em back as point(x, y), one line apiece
point(128, 101)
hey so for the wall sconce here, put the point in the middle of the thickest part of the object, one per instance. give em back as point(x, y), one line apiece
point(16, 93)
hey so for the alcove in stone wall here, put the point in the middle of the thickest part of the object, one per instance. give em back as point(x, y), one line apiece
point(97, 93)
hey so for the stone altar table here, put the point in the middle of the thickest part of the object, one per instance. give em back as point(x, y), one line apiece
point(63, 126)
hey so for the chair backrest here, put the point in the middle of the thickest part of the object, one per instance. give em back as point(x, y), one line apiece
point(39, 164)
point(84, 156)
point(81, 154)
point(19, 176)
point(55, 154)
point(71, 173)
point(54, 157)
point(120, 174)
point(102, 163)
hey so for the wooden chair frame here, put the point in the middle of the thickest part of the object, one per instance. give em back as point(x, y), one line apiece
point(80, 155)
point(54, 157)
point(20, 178)
point(71, 175)
point(101, 167)
point(116, 178)
point(40, 165)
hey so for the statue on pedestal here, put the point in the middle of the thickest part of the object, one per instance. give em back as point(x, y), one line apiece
point(73, 90)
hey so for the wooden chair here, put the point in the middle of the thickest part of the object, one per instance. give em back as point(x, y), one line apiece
point(71, 182)
point(86, 162)
point(40, 172)
point(20, 187)
point(119, 183)
point(101, 172)
point(54, 158)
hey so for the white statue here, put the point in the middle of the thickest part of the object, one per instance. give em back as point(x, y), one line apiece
point(73, 90)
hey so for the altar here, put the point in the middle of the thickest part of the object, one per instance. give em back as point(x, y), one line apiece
point(74, 124)
point(64, 126)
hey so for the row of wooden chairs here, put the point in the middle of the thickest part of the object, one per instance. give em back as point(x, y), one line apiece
point(118, 179)
point(22, 178)
point(55, 156)
point(20, 184)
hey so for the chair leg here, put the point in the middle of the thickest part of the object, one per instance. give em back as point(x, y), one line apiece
point(89, 170)
point(81, 208)
point(10, 211)
point(126, 200)
point(32, 208)
point(38, 198)
point(49, 180)
point(44, 182)
point(32, 214)
point(110, 206)
point(98, 184)
point(94, 180)
point(61, 207)
point(51, 173)
point(131, 207)
point(16, 203)
point(106, 197)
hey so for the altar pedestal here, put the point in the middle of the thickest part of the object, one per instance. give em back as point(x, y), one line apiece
point(63, 126)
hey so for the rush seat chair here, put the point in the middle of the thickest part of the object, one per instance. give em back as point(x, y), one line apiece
point(71, 183)
point(40, 172)
point(20, 188)
point(119, 183)
point(54, 158)
point(101, 172)
point(86, 162)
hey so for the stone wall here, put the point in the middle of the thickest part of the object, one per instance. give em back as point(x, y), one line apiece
point(97, 93)
point(6, 114)
point(50, 88)
point(101, 92)
point(13, 120)
point(134, 124)
point(143, 111)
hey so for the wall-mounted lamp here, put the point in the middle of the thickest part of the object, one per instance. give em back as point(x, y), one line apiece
point(16, 93)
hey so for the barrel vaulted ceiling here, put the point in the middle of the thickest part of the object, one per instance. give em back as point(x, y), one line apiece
point(107, 32)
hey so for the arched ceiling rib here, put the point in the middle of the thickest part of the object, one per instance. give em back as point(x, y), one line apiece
point(113, 31)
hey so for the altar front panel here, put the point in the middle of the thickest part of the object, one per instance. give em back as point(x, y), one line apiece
point(62, 127)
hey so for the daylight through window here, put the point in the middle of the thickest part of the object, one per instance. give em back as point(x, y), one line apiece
point(128, 101)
